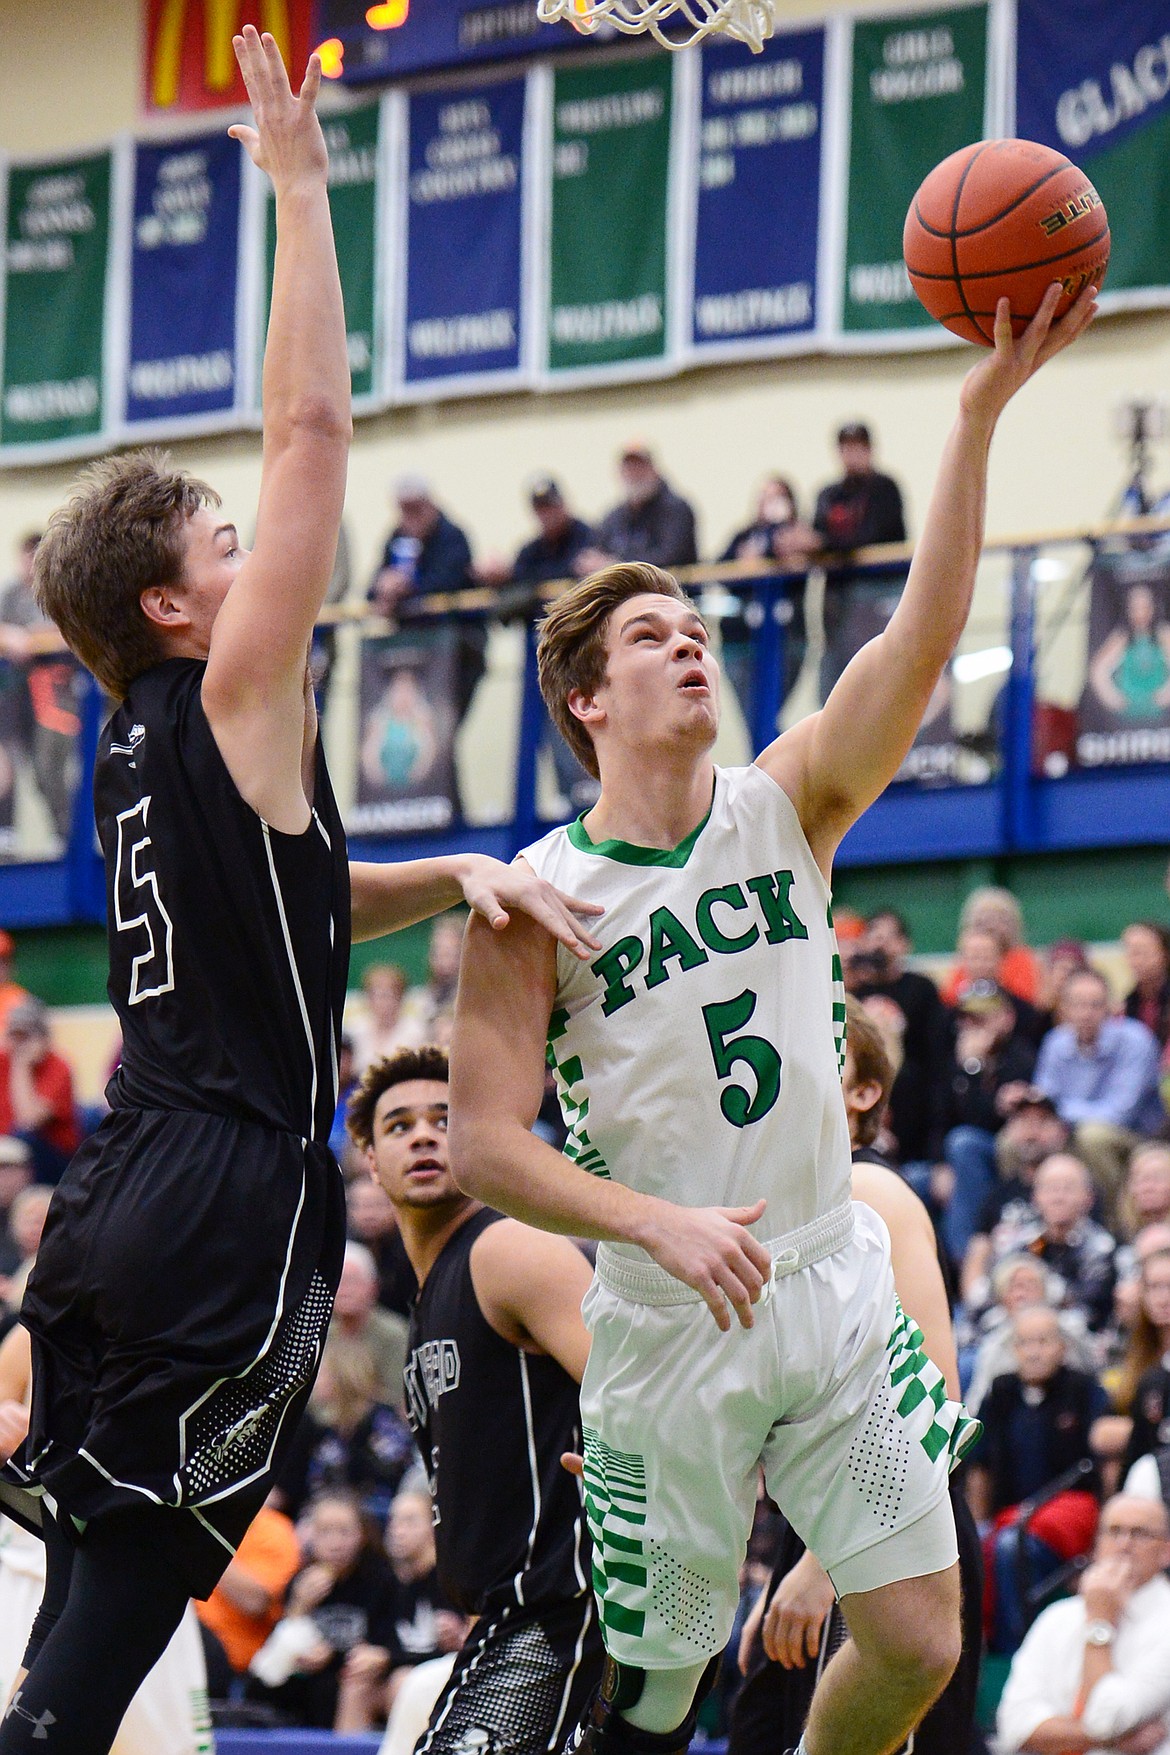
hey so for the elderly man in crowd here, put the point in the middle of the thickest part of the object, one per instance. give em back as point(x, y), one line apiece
point(650, 522)
point(1059, 1232)
point(1094, 1671)
point(1102, 1074)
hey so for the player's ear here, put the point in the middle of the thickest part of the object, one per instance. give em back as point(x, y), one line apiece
point(162, 606)
point(370, 1163)
point(584, 707)
point(866, 1096)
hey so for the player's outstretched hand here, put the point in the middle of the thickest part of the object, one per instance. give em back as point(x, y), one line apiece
point(287, 141)
point(492, 888)
point(990, 386)
point(710, 1249)
point(795, 1617)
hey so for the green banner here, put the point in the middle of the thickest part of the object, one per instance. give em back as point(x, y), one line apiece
point(352, 139)
point(918, 94)
point(57, 243)
point(611, 159)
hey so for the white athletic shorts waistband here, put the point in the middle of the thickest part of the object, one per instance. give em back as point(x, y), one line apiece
point(644, 1282)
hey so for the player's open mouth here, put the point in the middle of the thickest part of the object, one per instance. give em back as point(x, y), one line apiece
point(695, 682)
point(426, 1167)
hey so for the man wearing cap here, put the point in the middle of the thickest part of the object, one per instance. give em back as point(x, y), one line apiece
point(554, 553)
point(427, 552)
point(650, 523)
point(36, 1091)
point(863, 507)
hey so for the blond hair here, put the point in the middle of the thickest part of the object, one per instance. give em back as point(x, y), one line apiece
point(570, 649)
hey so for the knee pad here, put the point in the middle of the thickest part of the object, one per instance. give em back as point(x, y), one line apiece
point(604, 1731)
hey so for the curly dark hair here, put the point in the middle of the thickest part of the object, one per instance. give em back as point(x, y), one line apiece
point(428, 1062)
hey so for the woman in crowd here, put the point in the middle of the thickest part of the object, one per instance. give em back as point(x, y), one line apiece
point(997, 912)
point(1147, 951)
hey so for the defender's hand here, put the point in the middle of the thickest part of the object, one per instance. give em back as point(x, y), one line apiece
point(492, 889)
point(710, 1249)
point(795, 1618)
point(287, 141)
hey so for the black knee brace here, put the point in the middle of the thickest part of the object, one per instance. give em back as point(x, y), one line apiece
point(603, 1730)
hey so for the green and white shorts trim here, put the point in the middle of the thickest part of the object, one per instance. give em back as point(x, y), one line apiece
point(831, 1391)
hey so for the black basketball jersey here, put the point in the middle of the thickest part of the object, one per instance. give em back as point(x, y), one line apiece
point(491, 1422)
point(229, 941)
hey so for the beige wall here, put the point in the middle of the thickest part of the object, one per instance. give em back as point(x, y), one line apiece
point(69, 77)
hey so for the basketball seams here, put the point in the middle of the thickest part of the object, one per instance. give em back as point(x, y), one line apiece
point(985, 224)
point(954, 240)
point(1015, 267)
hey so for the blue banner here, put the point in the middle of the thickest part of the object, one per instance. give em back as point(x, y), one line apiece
point(759, 193)
point(183, 359)
point(1093, 81)
point(464, 243)
point(396, 37)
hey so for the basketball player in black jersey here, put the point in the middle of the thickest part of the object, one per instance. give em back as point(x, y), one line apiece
point(187, 1270)
point(497, 1349)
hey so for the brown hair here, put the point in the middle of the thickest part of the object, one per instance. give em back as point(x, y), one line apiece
point(1143, 1349)
point(119, 533)
point(398, 1068)
point(570, 647)
point(871, 1064)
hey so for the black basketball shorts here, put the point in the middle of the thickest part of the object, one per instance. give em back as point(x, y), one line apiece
point(178, 1308)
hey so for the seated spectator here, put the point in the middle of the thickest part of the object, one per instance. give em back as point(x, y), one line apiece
point(1032, 1132)
point(650, 522)
point(427, 1007)
point(1147, 951)
point(26, 1221)
point(1094, 1670)
point(990, 1060)
point(363, 1444)
point(1059, 1232)
point(383, 1029)
point(36, 1091)
point(771, 536)
point(1144, 1380)
point(358, 1316)
point(915, 1115)
point(1145, 1199)
point(339, 1610)
point(371, 1220)
point(1129, 1261)
point(1102, 1074)
point(1059, 961)
point(987, 1340)
point(1036, 1425)
point(996, 911)
point(248, 1601)
point(425, 1624)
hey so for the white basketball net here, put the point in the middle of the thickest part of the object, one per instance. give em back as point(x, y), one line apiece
point(752, 21)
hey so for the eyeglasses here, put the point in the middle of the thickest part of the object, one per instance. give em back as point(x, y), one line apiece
point(1118, 1530)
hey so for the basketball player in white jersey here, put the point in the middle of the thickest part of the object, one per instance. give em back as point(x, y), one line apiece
point(698, 1063)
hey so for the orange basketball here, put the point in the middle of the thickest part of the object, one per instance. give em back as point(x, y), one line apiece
point(1003, 219)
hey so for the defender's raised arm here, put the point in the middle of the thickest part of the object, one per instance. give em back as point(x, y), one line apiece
point(256, 667)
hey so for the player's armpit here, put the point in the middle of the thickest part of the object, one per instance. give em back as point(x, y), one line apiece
point(530, 1286)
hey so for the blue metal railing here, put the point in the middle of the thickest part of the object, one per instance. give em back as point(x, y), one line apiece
point(1013, 811)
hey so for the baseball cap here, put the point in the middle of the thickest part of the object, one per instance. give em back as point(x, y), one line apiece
point(1034, 1099)
point(544, 491)
point(854, 430)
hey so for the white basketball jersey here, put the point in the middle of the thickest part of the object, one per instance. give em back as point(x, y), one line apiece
point(698, 1057)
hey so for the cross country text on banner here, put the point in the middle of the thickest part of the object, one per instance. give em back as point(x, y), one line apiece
point(1093, 81)
point(611, 174)
point(184, 281)
point(464, 315)
point(919, 85)
point(759, 193)
point(56, 256)
point(352, 139)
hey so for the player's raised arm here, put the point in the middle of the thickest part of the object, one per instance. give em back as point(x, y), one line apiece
point(507, 984)
point(836, 762)
point(254, 688)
